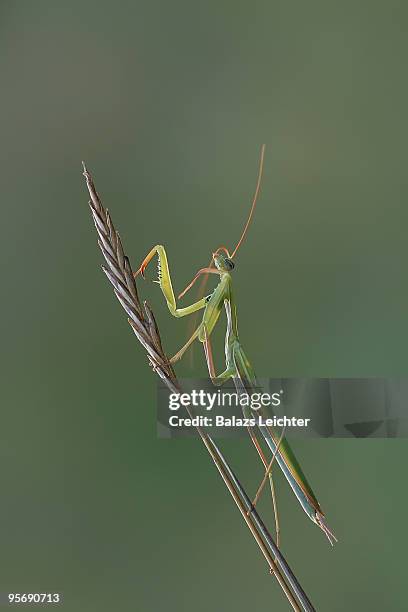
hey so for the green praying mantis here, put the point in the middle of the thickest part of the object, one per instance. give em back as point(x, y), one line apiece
point(237, 365)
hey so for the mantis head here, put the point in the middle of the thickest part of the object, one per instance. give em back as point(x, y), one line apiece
point(223, 263)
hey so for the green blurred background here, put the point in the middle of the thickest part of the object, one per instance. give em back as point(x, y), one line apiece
point(168, 103)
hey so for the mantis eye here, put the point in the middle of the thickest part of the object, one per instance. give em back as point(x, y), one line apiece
point(230, 264)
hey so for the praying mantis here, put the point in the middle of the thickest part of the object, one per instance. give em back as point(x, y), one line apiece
point(237, 365)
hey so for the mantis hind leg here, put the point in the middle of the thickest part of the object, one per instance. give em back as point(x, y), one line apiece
point(268, 475)
point(242, 366)
point(245, 372)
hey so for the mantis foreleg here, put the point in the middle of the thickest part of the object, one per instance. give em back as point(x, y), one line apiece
point(165, 283)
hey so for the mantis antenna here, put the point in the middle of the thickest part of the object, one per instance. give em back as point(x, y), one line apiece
point(244, 231)
point(251, 212)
